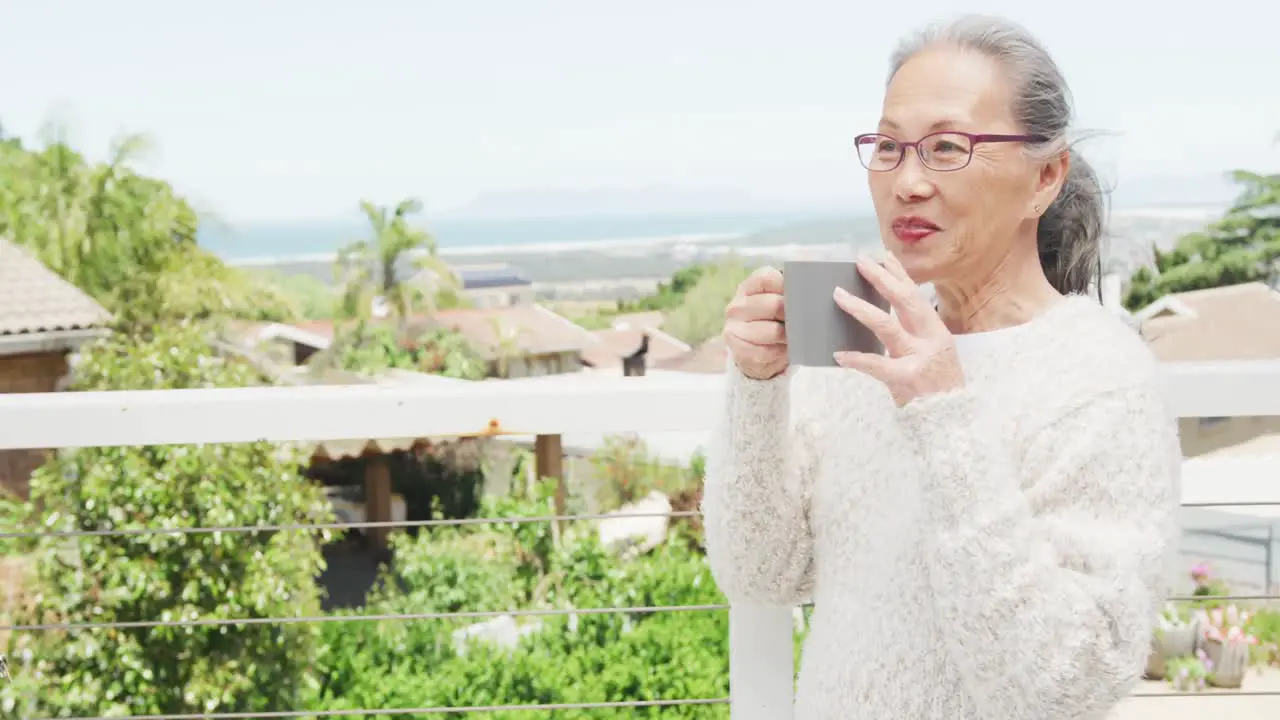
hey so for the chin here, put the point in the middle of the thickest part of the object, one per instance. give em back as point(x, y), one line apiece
point(921, 265)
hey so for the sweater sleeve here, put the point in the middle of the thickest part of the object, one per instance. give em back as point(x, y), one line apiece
point(756, 495)
point(1050, 559)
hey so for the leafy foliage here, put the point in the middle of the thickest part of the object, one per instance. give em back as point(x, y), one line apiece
point(700, 316)
point(125, 239)
point(368, 267)
point(631, 471)
point(1243, 246)
point(607, 657)
point(693, 300)
point(670, 294)
point(309, 297)
point(140, 577)
point(367, 347)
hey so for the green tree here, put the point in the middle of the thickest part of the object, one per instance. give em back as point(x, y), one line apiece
point(669, 295)
point(1242, 246)
point(700, 314)
point(309, 297)
point(382, 347)
point(609, 657)
point(112, 578)
point(368, 267)
point(125, 239)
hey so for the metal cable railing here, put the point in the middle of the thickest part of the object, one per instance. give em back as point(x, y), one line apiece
point(217, 416)
point(354, 525)
point(371, 712)
point(454, 522)
point(486, 614)
point(463, 615)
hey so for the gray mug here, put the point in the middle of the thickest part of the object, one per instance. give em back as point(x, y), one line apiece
point(816, 327)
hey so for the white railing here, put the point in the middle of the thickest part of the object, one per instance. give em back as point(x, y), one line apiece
point(761, 665)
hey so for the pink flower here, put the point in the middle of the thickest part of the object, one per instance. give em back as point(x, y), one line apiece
point(1201, 575)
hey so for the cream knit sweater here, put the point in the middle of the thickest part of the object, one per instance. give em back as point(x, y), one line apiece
point(997, 552)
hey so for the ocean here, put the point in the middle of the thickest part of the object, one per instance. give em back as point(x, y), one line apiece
point(592, 257)
point(270, 243)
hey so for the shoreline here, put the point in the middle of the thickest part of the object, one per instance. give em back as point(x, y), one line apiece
point(629, 267)
point(692, 243)
point(538, 248)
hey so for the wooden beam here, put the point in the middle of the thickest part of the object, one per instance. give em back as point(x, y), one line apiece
point(549, 454)
point(377, 498)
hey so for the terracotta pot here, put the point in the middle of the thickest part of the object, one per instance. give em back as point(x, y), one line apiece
point(1169, 644)
point(1230, 661)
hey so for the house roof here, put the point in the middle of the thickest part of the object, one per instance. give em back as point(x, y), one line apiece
point(709, 357)
point(477, 277)
point(33, 299)
point(650, 320)
point(1237, 322)
point(314, 334)
point(614, 344)
point(525, 329)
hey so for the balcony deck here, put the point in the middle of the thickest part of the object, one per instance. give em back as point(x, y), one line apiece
point(761, 665)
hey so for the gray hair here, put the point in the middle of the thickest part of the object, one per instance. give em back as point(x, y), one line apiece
point(1070, 232)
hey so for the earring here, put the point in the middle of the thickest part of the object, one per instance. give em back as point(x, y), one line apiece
point(1036, 208)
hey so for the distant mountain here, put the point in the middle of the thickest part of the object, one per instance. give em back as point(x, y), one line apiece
point(1215, 190)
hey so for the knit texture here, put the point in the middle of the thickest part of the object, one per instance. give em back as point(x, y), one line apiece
point(999, 551)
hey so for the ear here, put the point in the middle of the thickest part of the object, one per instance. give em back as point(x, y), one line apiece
point(1049, 182)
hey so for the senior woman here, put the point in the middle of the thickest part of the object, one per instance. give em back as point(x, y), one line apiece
point(982, 514)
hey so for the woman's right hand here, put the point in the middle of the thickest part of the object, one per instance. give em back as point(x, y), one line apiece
point(754, 332)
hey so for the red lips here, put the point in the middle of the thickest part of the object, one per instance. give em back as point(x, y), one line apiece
point(913, 229)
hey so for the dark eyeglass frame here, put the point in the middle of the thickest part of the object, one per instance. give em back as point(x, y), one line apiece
point(974, 141)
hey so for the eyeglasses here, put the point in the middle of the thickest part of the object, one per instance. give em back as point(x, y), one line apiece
point(943, 151)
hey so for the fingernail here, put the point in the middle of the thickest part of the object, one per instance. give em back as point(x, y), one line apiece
point(840, 293)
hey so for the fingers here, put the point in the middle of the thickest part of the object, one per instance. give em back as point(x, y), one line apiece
point(758, 361)
point(763, 280)
point(761, 306)
point(902, 294)
point(877, 366)
point(885, 326)
point(759, 332)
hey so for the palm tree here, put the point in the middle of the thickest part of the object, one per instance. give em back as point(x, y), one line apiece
point(367, 267)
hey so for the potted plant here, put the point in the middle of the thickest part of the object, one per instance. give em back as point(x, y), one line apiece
point(1226, 644)
point(1187, 674)
point(1174, 637)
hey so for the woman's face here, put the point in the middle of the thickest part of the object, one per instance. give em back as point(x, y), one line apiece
point(952, 226)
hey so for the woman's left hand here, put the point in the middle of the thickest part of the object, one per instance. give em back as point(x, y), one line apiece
point(920, 353)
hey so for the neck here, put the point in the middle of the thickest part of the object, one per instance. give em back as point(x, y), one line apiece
point(1012, 293)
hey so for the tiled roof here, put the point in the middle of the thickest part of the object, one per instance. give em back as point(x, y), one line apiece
point(1238, 322)
point(34, 299)
point(477, 277)
point(709, 357)
point(615, 344)
point(648, 320)
point(525, 329)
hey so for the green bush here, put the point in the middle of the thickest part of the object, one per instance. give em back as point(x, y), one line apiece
point(611, 657)
point(112, 578)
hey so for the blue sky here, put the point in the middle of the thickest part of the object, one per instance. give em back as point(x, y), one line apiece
point(286, 109)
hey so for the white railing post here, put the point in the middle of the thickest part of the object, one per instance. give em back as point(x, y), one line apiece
point(761, 662)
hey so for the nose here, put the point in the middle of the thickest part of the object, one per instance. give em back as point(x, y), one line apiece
point(912, 183)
